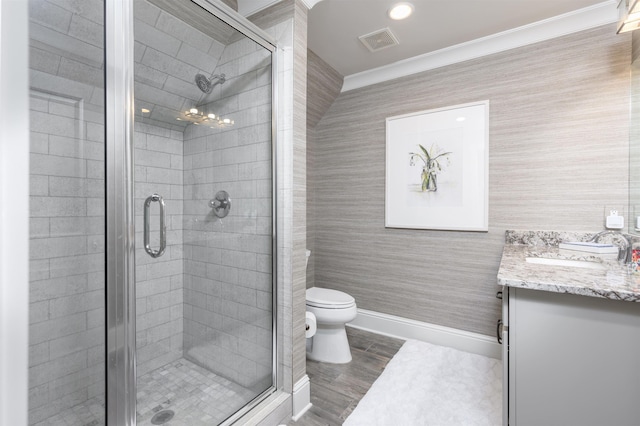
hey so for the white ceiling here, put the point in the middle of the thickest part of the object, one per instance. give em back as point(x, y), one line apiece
point(335, 25)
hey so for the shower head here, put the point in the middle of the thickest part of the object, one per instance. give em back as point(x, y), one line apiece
point(206, 84)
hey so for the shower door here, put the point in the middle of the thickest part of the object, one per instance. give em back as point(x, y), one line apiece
point(203, 213)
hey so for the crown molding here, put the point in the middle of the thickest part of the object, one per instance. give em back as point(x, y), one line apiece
point(310, 3)
point(568, 23)
point(249, 7)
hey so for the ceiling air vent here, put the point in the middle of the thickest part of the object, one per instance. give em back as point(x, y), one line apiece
point(379, 40)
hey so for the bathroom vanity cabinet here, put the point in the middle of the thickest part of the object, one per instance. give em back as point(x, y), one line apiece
point(571, 335)
point(570, 359)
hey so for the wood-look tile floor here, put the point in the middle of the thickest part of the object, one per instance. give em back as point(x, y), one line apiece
point(336, 389)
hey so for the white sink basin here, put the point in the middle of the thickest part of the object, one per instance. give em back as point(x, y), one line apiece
point(566, 262)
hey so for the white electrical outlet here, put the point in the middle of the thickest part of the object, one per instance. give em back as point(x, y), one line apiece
point(614, 221)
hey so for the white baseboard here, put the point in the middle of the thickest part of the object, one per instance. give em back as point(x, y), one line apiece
point(405, 328)
point(301, 397)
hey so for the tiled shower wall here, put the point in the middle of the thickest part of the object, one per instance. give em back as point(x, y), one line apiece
point(228, 288)
point(66, 289)
point(168, 54)
point(158, 169)
point(67, 259)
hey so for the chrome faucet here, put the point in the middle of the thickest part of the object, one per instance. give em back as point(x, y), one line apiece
point(624, 248)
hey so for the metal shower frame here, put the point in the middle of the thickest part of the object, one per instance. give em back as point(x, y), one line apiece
point(120, 231)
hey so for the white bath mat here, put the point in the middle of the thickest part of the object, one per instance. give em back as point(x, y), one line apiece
point(429, 385)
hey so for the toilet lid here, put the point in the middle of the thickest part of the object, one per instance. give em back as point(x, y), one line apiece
point(324, 297)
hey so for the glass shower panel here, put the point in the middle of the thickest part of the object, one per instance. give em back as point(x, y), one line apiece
point(203, 128)
point(67, 268)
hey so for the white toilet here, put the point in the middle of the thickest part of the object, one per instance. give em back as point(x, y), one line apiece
point(332, 309)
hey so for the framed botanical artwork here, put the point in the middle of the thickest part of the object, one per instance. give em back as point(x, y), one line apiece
point(437, 169)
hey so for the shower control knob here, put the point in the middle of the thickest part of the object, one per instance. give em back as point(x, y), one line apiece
point(221, 204)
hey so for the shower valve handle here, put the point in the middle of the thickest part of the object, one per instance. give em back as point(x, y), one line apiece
point(221, 204)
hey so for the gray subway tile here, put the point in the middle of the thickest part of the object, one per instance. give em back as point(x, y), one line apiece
point(96, 318)
point(75, 265)
point(57, 166)
point(164, 144)
point(38, 311)
point(197, 58)
point(166, 176)
point(38, 185)
point(38, 396)
point(152, 158)
point(82, 73)
point(45, 290)
point(159, 97)
point(42, 60)
point(72, 304)
point(95, 207)
point(49, 15)
point(39, 143)
point(168, 64)
point(67, 226)
point(58, 327)
point(44, 122)
point(181, 30)
point(66, 345)
point(60, 367)
point(179, 86)
point(87, 30)
point(67, 45)
point(149, 76)
point(156, 39)
point(76, 148)
point(39, 269)
point(46, 248)
point(89, 9)
point(145, 11)
point(95, 132)
point(152, 286)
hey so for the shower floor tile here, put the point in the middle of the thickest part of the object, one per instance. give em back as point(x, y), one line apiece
point(195, 395)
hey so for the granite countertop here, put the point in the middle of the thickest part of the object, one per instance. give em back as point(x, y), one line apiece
point(615, 281)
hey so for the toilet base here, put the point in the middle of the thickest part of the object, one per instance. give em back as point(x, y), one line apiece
point(329, 344)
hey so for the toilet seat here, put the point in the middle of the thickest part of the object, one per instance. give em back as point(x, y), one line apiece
point(329, 299)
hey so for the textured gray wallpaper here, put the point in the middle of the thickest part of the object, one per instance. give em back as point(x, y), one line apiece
point(558, 155)
point(323, 87)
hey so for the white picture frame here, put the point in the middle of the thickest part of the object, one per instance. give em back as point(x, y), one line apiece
point(437, 169)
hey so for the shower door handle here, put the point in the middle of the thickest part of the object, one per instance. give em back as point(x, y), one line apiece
point(163, 230)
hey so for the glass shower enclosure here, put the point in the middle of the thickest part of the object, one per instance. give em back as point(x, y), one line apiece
point(152, 213)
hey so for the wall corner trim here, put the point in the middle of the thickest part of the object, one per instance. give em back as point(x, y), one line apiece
point(583, 19)
point(310, 3)
point(301, 397)
point(404, 328)
point(249, 7)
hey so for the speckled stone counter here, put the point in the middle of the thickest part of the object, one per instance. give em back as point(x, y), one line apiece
point(614, 281)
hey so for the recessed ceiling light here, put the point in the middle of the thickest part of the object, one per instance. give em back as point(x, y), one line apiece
point(400, 11)
point(460, 118)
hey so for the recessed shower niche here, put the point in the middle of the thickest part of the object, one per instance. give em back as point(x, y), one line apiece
point(204, 317)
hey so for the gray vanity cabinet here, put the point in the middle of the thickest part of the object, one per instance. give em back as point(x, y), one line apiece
point(570, 359)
